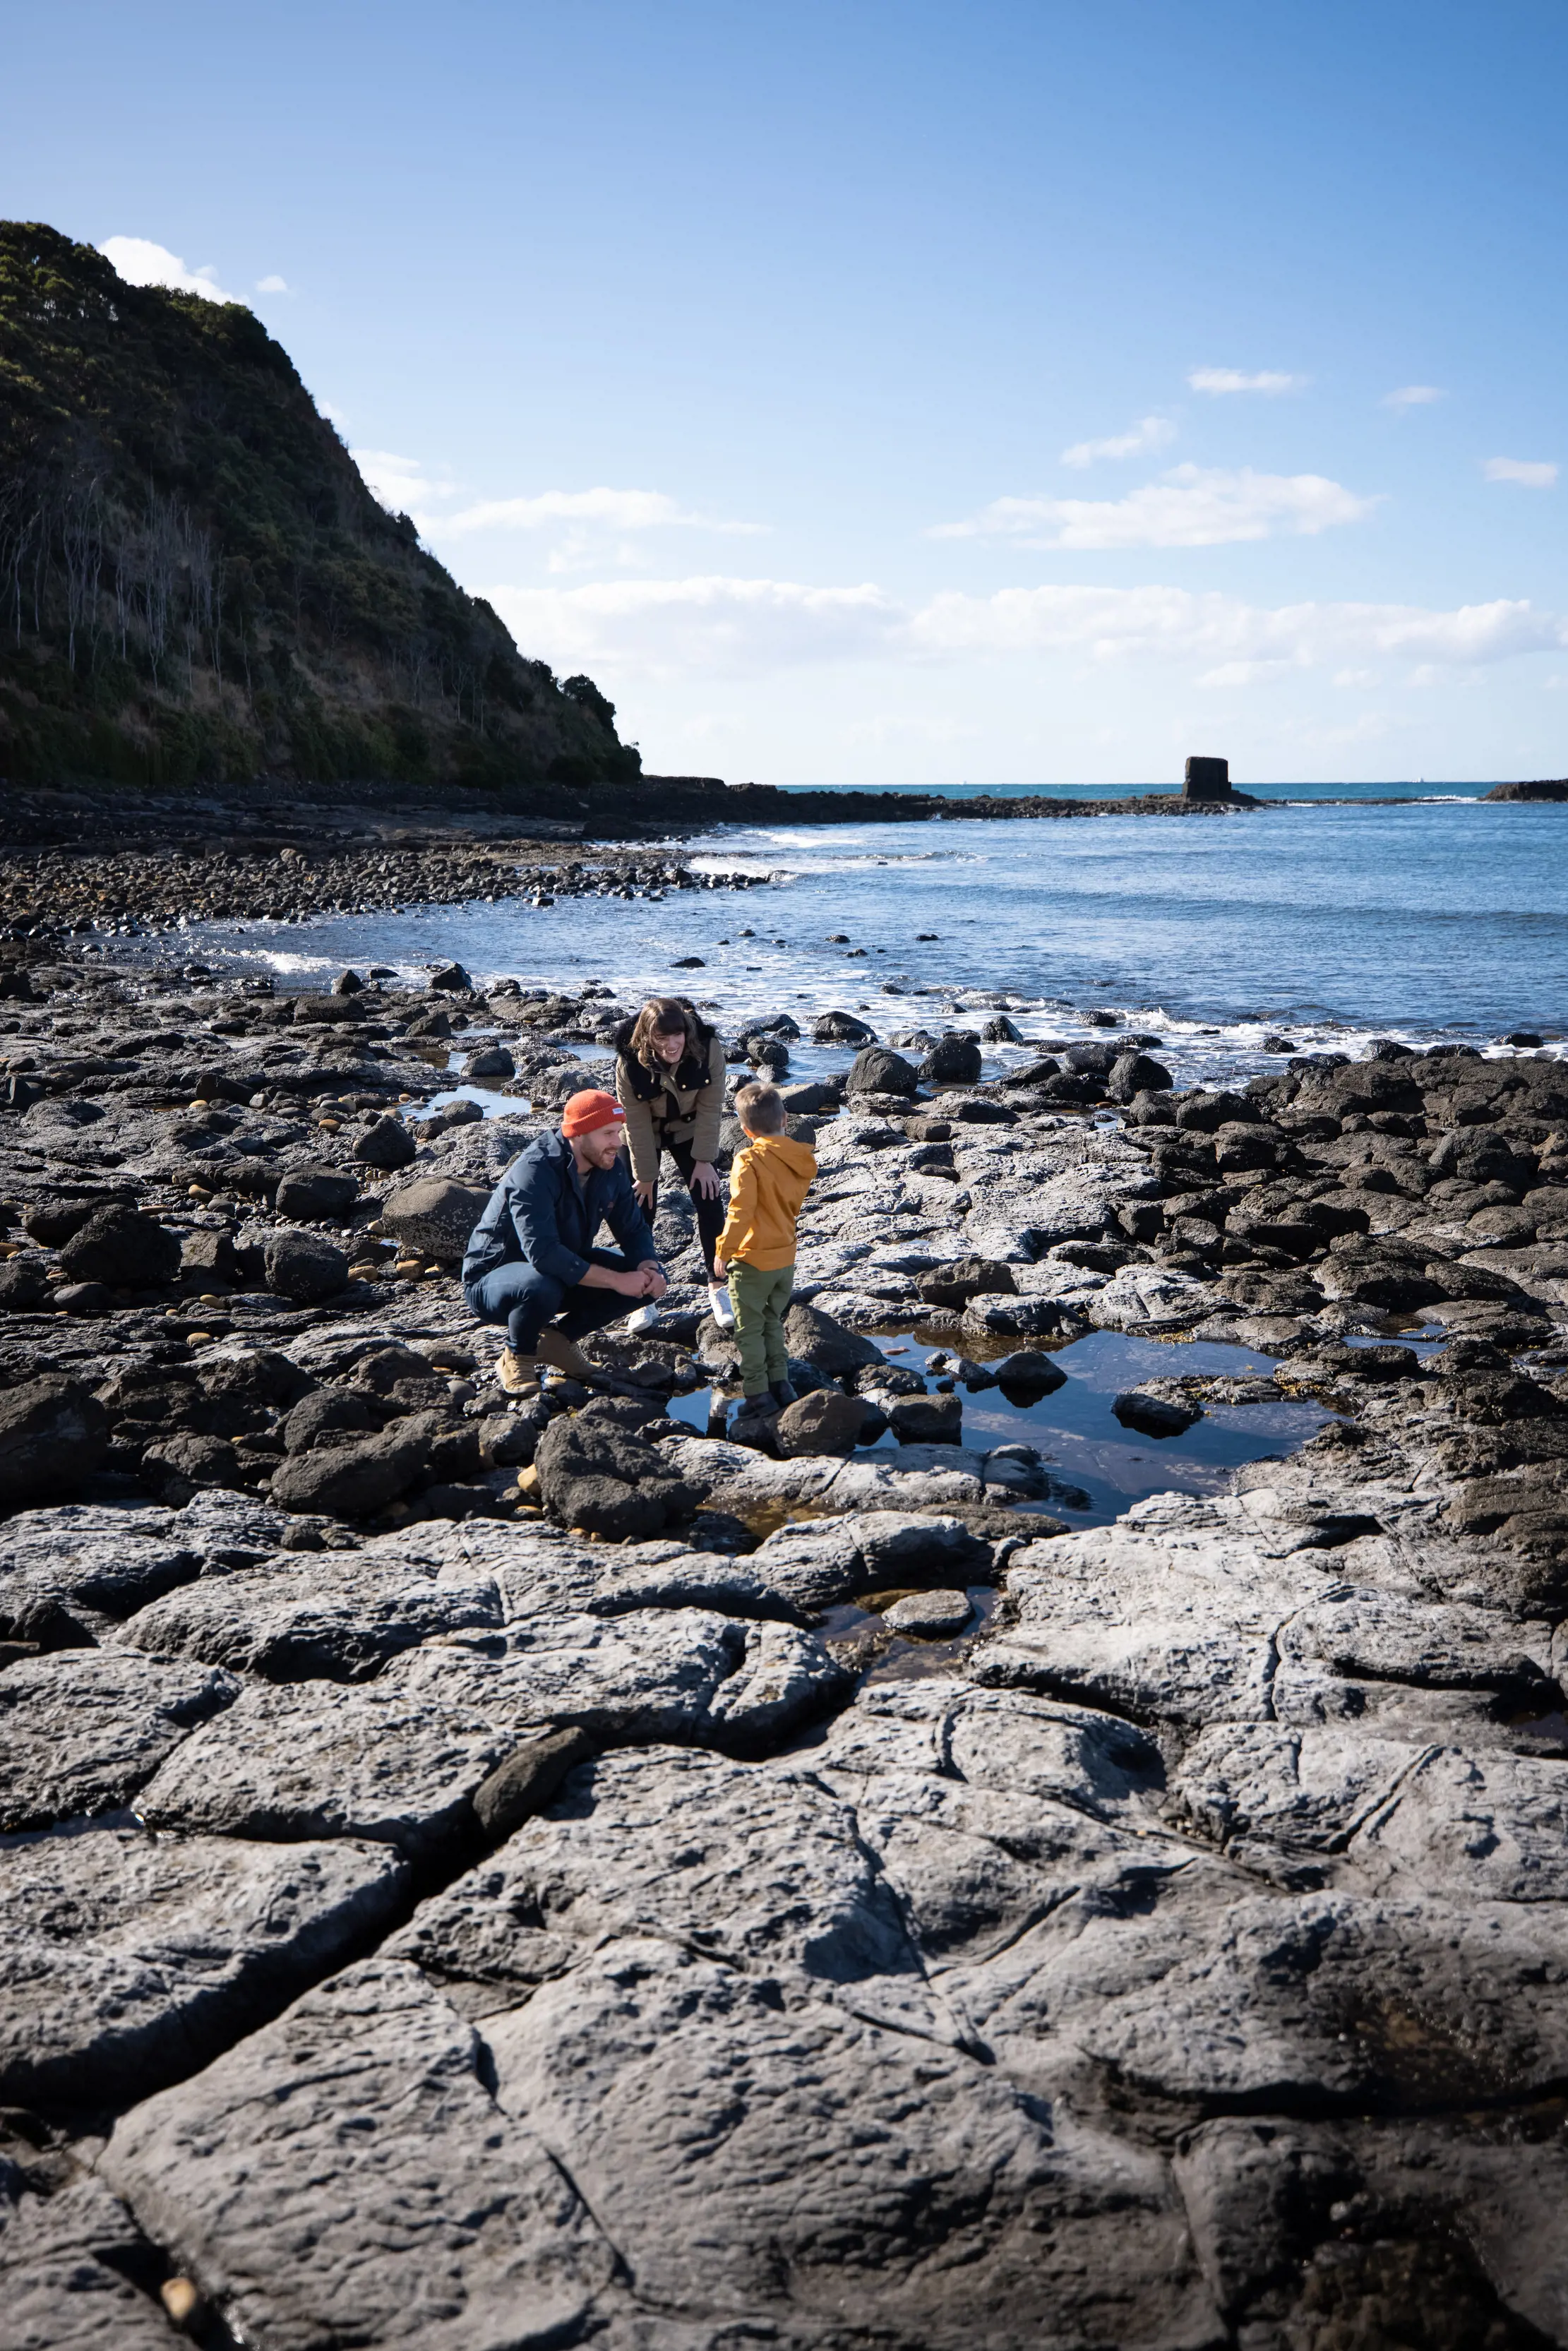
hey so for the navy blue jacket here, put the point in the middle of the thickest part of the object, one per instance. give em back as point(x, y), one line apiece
point(538, 1212)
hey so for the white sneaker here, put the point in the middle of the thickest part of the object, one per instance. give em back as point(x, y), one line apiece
point(643, 1319)
point(719, 1304)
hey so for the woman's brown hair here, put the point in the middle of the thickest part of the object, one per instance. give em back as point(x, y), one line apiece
point(662, 1015)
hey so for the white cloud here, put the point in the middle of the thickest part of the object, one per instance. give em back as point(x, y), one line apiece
point(1532, 475)
point(603, 508)
point(142, 263)
point(1413, 395)
point(401, 484)
point(272, 284)
point(1153, 433)
point(713, 624)
point(1219, 380)
point(1192, 505)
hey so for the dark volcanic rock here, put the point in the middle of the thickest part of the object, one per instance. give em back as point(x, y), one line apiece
point(386, 1143)
point(355, 1480)
point(80, 1730)
point(434, 1216)
point(324, 1409)
point(608, 1482)
point(952, 1061)
point(22, 1283)
point(826, 1422)
point(877, 1069)
point(305, 1266)
point(53, 1434)
point(121, 1247)
point(312, 1194)
point(1134, 1073)
point(818, 1339)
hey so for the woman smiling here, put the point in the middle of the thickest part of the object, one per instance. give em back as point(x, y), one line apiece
point(669, 1079)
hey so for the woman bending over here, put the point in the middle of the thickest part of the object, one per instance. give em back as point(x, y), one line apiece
point(669, 1079)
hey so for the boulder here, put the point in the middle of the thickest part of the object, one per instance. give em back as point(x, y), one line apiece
point(609, 1482)
point(177, 1465)
point(930, 1615)
point(348, 983)
point(210, 1254)
point(1205, 1114)
point(310, 1194)
point(967, 1278)
point(452, 978)
point(304, 1267)
point(825, 1422)
point(1029, 1368)
point(489, 1062)
point(953, 1061)
point(324, 1409)
point(121, 1247)
point(842, 1028)
point(816, 1337)
point(877, 1069)
point(51, 1222)
point(385, 1143)
point(1132, 1074)
point(53, 1435)
point(927, 1419)
point(434, 1216)
point(355, 1480)
point(22, 1283)
point(1153, 1414)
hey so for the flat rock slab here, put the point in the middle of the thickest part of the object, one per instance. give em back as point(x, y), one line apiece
point(63, 2260)
point(81, 1729)
point(346, 2176)
point(400, 1757)
point(130, 1960)
point(308, 1615)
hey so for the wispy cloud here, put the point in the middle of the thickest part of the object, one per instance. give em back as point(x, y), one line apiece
point(1529, 474)
point(1192, 505)
point(273, 284)
point(605, 508)
point(142, 263)
point(401, 484)
point(1413, 395)
point(1153, 433)
point(1267, 380)
point(717, 625)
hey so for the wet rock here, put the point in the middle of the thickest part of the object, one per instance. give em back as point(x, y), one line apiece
point(434, 1216)
point(1155, 1413)
point(53, 1435)
point(305, 1266)
point(176, 1950)
point(876, 1070)
point(488, 1062)
point(1132, 1074)
point(927, 1419)
point(175, 1467)
point(967, 1278)
point(80, 1730)
point(386, 1144)
point(608, 1482)
point(122, 1249)
point(450, 977)
point(1029, 1370)
point(311, 1195)
point(826, 1422)
point(930, 1615)
point(526, 1783)
point(324, 1409)
point(841, 1029)
point(953, 1061)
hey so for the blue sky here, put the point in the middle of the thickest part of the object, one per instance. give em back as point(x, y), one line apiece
point(907, 392)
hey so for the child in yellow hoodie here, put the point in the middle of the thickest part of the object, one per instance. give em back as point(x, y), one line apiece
point(756, 1247)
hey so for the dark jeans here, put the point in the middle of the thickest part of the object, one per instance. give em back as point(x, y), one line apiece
point(525, 1300)
point(710, 1213)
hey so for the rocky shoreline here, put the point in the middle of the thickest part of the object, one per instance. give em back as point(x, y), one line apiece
point(465, 1887)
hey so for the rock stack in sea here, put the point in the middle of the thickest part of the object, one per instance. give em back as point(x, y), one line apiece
point(460, 1887)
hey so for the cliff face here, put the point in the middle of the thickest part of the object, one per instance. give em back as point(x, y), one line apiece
point(196, 587)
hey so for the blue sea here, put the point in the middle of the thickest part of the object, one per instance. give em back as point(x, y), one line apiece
point(1328, 917)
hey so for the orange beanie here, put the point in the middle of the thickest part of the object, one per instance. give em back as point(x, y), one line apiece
point(592, 1109)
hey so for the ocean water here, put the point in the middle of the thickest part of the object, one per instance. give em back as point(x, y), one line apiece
point(1424, 919)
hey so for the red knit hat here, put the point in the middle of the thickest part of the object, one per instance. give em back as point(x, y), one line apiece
point(591, 1110)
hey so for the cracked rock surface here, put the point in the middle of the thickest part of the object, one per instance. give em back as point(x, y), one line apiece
point(432, 1921)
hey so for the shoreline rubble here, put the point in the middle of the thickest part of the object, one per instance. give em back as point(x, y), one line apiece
point(1181, 1959)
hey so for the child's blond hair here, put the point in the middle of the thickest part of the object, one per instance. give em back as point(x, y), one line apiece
point(760, 1109)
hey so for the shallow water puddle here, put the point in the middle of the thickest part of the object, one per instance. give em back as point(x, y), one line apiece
point(1081, 1440)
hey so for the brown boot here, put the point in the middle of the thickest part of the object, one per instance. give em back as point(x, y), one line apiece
point(557, 1349)
point(519, 1374)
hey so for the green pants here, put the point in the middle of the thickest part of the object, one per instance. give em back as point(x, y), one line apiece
point(760, 1297)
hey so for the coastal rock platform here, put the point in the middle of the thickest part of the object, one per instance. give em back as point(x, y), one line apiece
point(432, 1922)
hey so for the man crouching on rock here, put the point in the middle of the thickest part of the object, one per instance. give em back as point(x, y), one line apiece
point(531, 1263)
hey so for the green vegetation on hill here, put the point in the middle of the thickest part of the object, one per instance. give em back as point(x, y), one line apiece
point(196, 587)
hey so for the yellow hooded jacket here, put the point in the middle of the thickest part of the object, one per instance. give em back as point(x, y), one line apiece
point(767, 1186)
